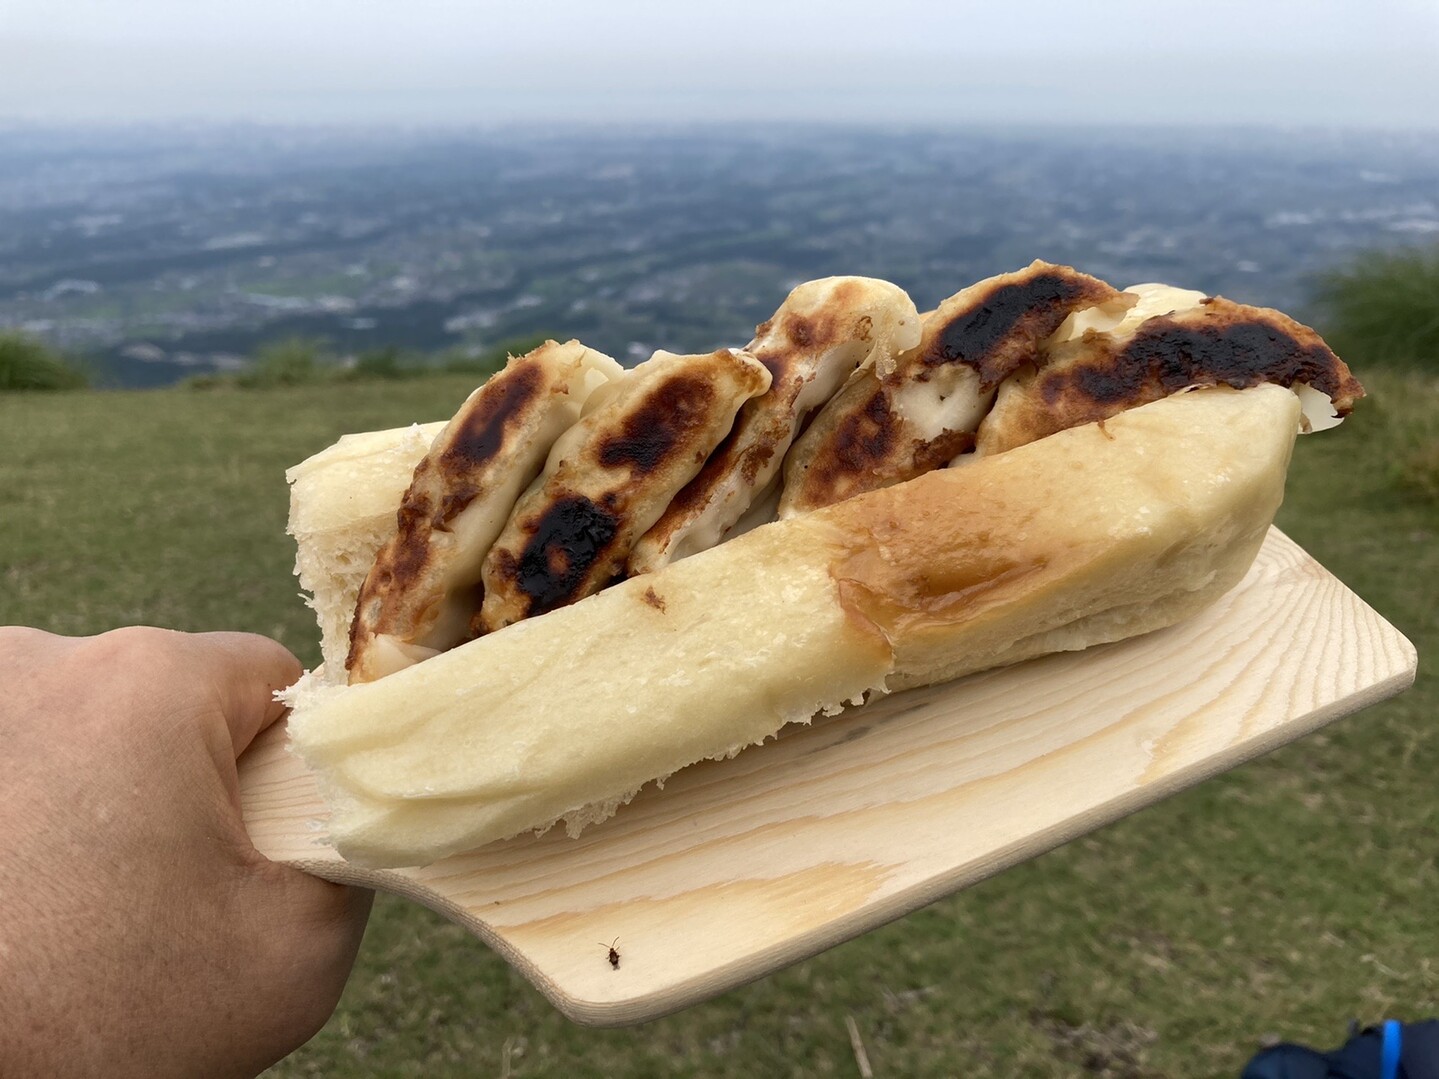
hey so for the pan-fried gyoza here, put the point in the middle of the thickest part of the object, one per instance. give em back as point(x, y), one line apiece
point(1173, 341)
point(823, 331)
point(906, 415)
point(610, 477)
point(420, 595)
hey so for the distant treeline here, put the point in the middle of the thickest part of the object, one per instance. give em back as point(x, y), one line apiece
point(298, 361)
point(1382, 311)
point(28, 364)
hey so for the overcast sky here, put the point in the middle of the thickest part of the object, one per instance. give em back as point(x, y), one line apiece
point(1346, 62)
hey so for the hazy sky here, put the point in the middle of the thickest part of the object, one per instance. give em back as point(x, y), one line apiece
point(1345, 62)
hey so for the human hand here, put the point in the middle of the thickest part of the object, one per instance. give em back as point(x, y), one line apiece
point(141, 933)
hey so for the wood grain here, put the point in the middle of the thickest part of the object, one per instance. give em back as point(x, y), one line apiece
point(737, 868)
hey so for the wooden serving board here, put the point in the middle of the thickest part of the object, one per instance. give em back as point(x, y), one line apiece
point(740, 867)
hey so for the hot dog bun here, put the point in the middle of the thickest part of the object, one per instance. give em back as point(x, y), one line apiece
point(1092, 534)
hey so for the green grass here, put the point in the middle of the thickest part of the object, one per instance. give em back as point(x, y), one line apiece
point(1383, 309)
point(1280, 899)
point(28, 364)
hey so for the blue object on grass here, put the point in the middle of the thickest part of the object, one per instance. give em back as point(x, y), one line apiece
point(1394, 1050)
point(1393, 1045)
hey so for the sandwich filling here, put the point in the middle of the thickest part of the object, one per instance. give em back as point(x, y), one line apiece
point(565, 474)
point(899, 419)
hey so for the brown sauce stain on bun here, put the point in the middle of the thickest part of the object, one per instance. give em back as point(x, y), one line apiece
point(902, 589)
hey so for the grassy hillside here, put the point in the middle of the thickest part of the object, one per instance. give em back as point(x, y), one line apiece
point(1384, 309)
point(1281, 899)
point(28, 364)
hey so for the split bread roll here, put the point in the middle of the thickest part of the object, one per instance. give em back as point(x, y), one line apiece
point(1093, 534)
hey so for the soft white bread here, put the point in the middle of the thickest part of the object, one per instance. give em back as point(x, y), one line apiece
point(342, 510)
point(1095, 533)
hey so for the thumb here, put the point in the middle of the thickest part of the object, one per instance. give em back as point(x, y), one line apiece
point(246, 670)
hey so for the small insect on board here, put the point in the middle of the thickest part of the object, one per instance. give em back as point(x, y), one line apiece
point(614, 956)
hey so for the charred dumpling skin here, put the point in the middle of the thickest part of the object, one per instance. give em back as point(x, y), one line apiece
point(1168, 342)
point(824, 330)
point(610, 477)
point(896, 420)
point(422, 592)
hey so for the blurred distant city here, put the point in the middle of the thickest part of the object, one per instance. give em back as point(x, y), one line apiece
point(159, 253)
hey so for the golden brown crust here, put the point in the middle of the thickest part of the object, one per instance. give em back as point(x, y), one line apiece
point(887, 425)
point(997, 325)
point(817, 338)
point(1217, 343)
point(477, 455)
point(609, 478)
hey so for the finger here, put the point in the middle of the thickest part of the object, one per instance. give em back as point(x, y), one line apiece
point(247, 669)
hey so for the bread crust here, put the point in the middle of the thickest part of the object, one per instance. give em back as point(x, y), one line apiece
point(339, 527)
